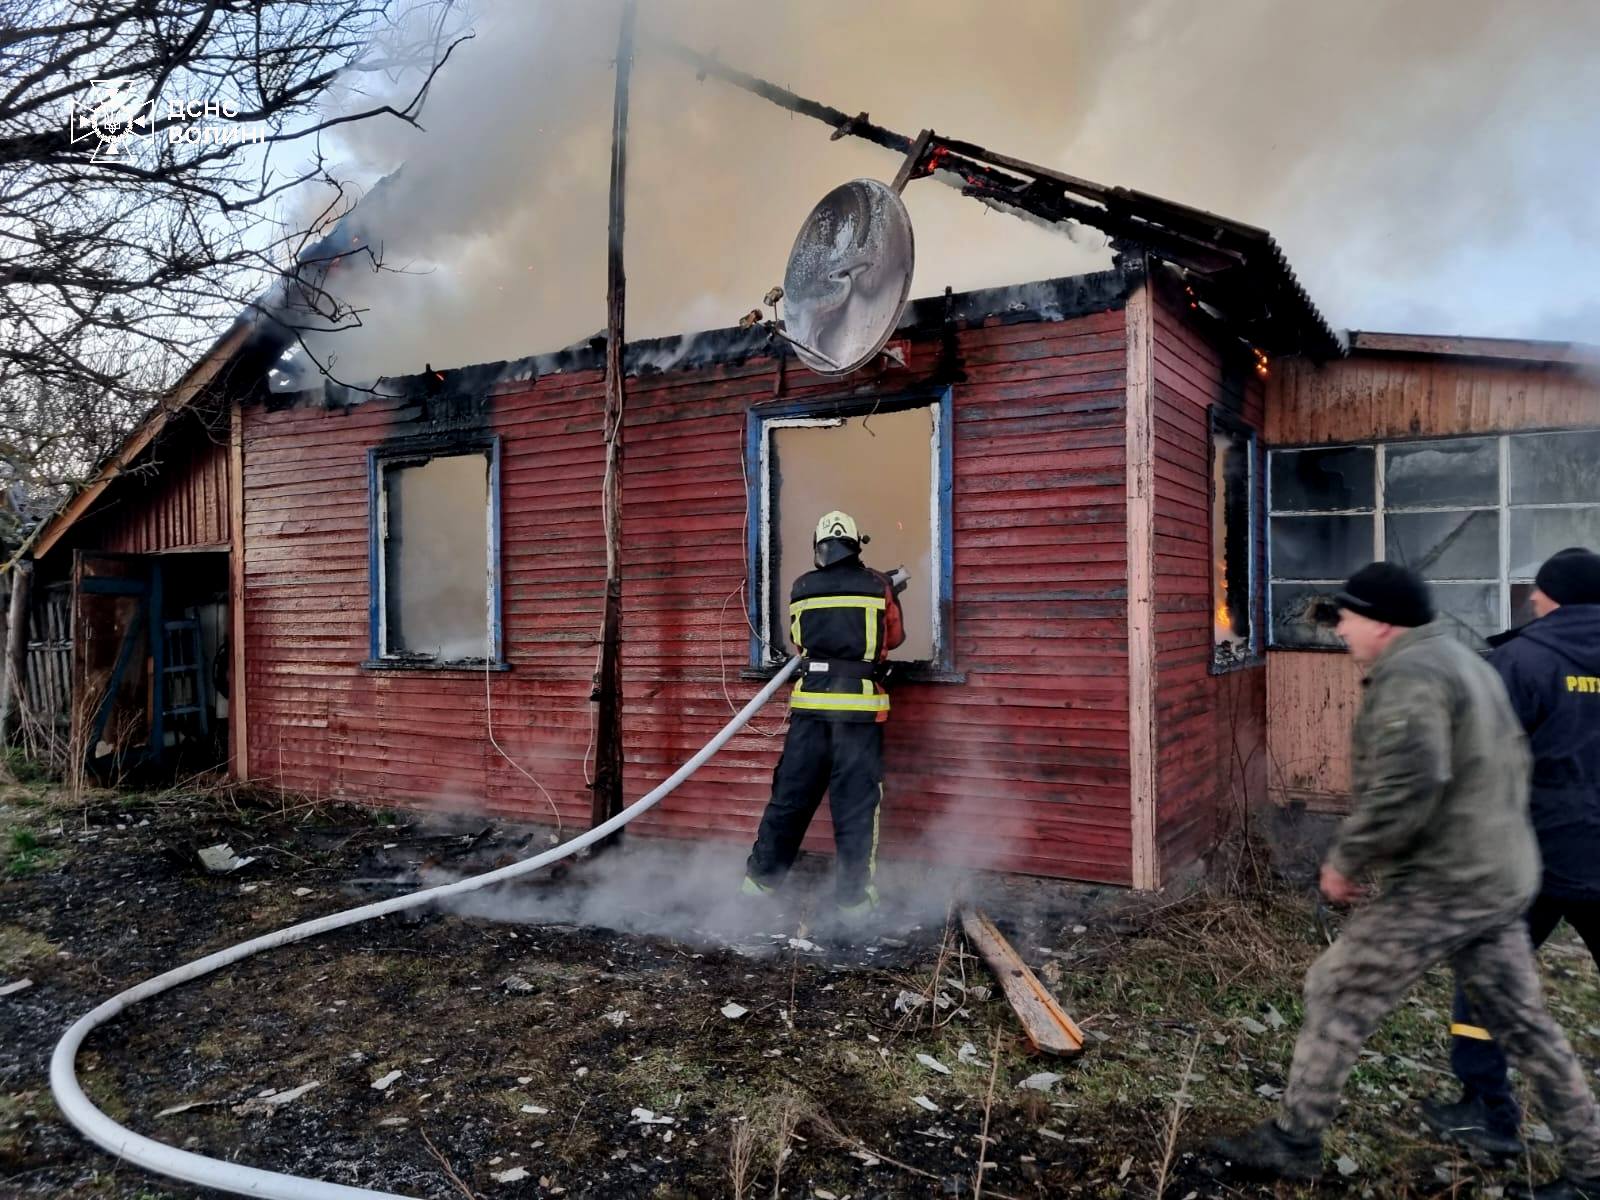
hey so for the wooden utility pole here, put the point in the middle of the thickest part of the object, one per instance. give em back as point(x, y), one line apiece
point(608, 687)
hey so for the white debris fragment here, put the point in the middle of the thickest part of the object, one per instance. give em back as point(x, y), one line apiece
point(798, 943)
point(967, 1056)
point(823, 1194)
point(270, 1101)
point(383, 1083)
point(221, 860)
point(932, 1063)
point(1270, 1091)
point(924, 1102)
point(510, 1176)
point(517, 985)
point(395, 1121)
point(534, 1109)
point(1275, 1018)
point(616, 1016)
point(870, 1160)
point(645, 1117)
point(1080, 929)
point(522, 1079)
point(909, 1001)
point(1052, 1134)
point(581, 1072)
point(11, 989)
point(1345, 1165)
point(1252, 1026)
point(1044, 1081)
point(733, 1011)
point(302, 891)
point(1127, 1166)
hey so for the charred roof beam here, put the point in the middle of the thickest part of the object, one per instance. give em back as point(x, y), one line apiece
point(1191, 237)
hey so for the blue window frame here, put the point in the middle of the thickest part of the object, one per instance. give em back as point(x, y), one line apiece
point(433, 555)
point(887, 460)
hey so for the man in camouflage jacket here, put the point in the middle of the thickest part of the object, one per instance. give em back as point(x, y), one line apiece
point(1440, 819)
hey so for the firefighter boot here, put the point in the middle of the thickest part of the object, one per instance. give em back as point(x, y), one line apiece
point(1267, 1152)
point(1473, 1123)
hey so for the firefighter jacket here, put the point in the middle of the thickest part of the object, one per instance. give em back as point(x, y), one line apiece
point(844, 619)
point(1439, 778)
point(1551, 668)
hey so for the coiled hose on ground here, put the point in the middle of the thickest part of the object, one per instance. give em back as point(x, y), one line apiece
point(252, 1181)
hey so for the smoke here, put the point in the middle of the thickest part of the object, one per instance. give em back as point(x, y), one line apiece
point(1427, 166)
point(690, 891)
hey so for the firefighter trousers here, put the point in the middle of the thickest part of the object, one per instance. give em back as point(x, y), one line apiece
point(845, 760)
point(1476, 1057)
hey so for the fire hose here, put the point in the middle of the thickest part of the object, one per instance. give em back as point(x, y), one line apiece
point(193, 1168)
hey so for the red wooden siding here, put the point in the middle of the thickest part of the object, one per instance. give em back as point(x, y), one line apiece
point(176, 498)
point(1209, 728)
point(1022, 767)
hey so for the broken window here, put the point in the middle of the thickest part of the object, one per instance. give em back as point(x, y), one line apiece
point(1475, 516)
point(434, 558)
point(1233, 525)
point(887, 464)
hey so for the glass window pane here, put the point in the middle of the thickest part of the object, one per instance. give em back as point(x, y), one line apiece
point(1521, 605)
point(1555, 468)
point(1453, 545)
point(1303, 615)
point(1320, 547)
point(1324, 479)
point(1471, 609)
point(1537, 533)
point(1442, 474)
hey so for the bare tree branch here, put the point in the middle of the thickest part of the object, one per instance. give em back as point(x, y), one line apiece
point(117, 268)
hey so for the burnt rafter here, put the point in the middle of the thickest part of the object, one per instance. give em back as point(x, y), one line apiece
point(1237, 269)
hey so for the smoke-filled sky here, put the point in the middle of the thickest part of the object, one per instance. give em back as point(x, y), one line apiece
point(1427, 165)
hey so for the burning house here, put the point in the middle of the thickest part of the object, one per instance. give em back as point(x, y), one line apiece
point(1121, 496)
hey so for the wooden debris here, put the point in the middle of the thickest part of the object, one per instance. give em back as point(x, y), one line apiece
point(1047, 1027)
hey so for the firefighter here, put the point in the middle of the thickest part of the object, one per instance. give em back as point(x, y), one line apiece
point(844, 618)
point(1551, 668)
point(1440, 790)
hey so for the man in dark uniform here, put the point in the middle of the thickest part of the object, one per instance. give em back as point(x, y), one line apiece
point(1551, 668)
point(1439, 783)
point(844, 618)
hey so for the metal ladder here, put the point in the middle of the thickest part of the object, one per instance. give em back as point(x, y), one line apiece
point(183, 691)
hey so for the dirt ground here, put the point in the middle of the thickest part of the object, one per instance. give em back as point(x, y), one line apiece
point(565, 1037)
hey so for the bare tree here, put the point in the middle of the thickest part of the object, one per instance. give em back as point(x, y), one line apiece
point(163, 170)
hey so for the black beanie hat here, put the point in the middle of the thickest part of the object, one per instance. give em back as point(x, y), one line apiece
point(1387, 592)
point(1571, 576)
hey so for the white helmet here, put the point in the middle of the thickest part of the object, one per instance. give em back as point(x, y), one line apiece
point(836, 539)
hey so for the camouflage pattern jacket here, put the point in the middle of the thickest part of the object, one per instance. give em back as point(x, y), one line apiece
point(1440, 773)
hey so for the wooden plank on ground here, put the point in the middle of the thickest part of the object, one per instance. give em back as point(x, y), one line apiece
point(1044, 1022)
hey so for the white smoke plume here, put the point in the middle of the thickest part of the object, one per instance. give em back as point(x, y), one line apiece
point(1428, 165)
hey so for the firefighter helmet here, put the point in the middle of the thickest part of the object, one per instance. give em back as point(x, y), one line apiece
point(836, 539)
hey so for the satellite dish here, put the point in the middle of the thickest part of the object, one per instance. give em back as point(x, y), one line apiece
point(848, 276)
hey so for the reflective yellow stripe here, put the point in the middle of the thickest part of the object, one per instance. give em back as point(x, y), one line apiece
point(872, 858)
point(869, 700)
point(839, 703)
point(799, 606)
point(872, 632)
point(1477, 1032)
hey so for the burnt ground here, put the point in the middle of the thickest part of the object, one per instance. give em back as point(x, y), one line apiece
point(523, 1035)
